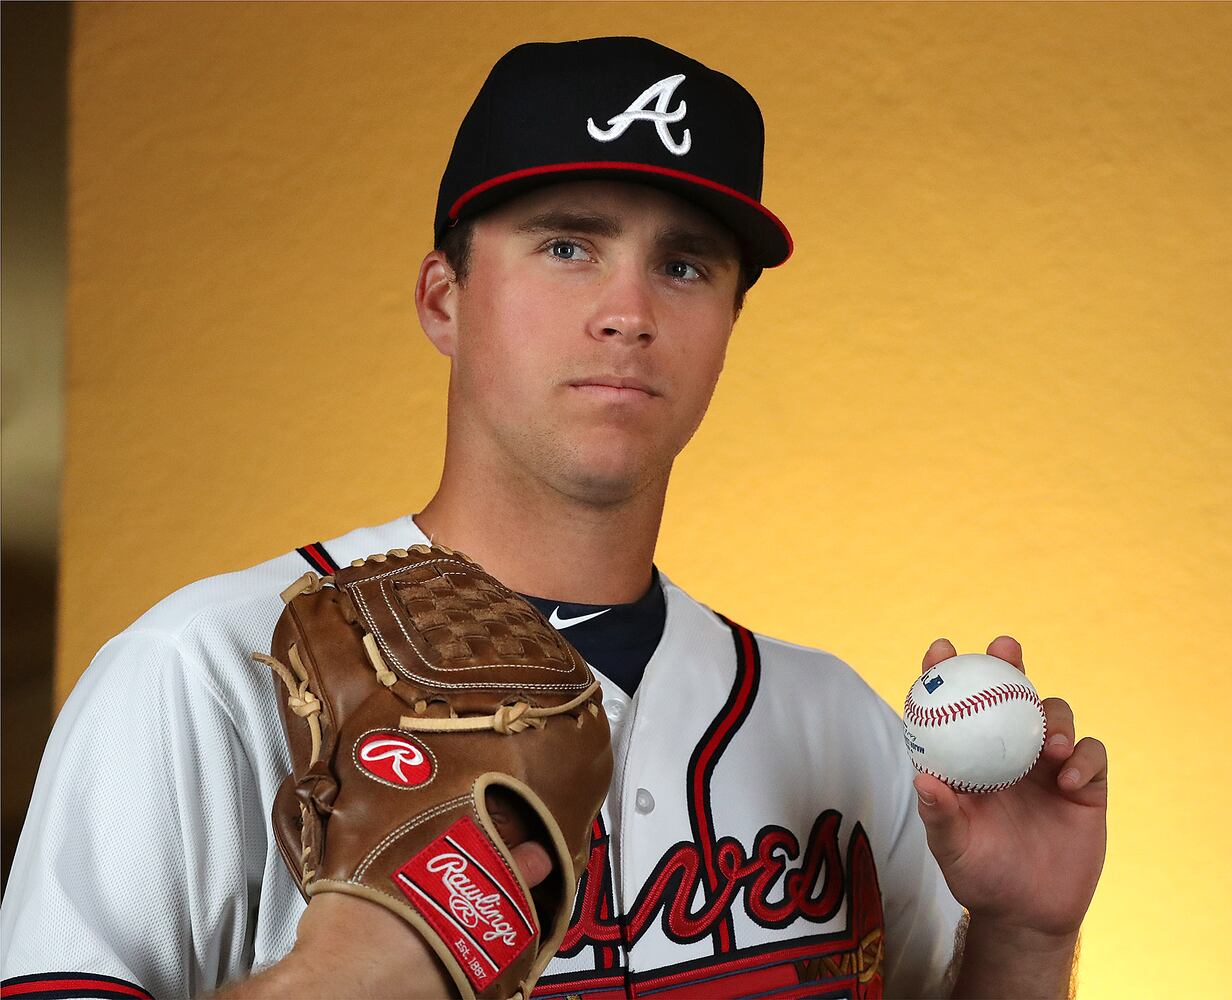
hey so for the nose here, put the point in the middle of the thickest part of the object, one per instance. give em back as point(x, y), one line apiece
point(624, 309)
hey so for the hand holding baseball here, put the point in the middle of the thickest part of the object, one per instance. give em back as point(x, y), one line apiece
point(1027, 856)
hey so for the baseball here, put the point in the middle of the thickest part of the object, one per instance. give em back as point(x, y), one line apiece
point(975, 722)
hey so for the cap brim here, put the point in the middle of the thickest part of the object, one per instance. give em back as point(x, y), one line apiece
point(765, 239)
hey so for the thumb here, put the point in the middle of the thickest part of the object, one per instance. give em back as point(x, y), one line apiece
point(945, 824)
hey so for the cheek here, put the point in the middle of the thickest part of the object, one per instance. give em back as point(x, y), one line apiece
point(504, 352)
point(700, 359)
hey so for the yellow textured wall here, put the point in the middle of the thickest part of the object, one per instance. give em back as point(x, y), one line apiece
point(989, 394)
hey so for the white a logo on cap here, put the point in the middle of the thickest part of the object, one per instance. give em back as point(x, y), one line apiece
point(661, 94)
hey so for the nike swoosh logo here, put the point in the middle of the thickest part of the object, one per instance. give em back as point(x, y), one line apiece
point(560, 623)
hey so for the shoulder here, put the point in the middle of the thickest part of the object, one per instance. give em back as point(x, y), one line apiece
point(197, 609)
point(202, 635)
point(792, 687)
point(788, 660)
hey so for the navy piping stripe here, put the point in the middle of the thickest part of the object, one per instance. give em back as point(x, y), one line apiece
point(85, 984)
point(318, 558)
point(77, 993)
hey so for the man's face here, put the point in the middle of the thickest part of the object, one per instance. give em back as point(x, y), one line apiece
point(590, 334)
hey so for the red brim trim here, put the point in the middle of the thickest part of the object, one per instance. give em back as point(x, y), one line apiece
point(646, 168)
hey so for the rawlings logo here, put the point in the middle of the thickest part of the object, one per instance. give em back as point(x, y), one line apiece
point(661, 93)
point(393, 759)
point(469, 903)
point(468, 894)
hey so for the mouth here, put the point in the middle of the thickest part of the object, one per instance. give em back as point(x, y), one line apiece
point(614, 387)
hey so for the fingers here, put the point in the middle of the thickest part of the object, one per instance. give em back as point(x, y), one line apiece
point(532, 861)
point(1059, 730)
point(1007, 648)
point(1079, 770)
point(517, 826)
point(1084, 776)
point(945, 825)
point(508, 815)
point(1004, 647)
point(941, 649)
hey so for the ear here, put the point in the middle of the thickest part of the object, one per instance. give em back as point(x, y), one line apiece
point(436, 301)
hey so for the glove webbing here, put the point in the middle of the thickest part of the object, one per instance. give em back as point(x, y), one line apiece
point(506, 720)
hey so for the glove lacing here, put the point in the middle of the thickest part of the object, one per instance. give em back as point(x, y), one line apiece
point(506, 720)
point(300, 699)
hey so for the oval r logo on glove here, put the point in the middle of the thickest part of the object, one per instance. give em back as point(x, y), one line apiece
point(393, 758)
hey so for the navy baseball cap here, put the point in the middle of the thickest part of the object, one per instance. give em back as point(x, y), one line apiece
point(617, 108)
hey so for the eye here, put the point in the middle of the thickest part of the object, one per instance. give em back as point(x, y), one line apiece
point(566, 250)
point(683, 271)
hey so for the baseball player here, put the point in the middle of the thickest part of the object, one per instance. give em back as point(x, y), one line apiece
point(598, 224)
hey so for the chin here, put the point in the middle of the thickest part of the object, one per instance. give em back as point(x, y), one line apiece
point(605, 485)
point(599, 469)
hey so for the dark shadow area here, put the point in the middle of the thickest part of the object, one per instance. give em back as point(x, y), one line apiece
point(33, 142)
point(27, 604)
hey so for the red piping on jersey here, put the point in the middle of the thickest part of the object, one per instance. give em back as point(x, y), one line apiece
point(645, 168)
point(318, 558)
point(766, 960)
point(607, 956)
point(706, 756)
point(567, 986)
point(86, 985)
point(719, 976)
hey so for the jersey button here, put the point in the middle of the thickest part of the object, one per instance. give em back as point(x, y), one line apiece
point(644, 801)
point(614, 709)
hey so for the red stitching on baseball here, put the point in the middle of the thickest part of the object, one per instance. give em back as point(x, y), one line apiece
point(964, 786)
point(945, 714)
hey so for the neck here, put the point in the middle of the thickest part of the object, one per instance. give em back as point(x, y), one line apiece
point(538, 541)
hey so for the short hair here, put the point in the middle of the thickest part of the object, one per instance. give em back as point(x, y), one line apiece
point(456, 246)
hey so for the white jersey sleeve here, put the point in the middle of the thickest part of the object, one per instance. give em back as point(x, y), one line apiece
point(131, 864)
point(146, 865)
point(921, 915)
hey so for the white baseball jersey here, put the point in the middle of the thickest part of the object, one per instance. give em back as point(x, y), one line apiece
point(760, 836)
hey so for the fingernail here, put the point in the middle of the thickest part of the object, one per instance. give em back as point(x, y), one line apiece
point(926, 798)
point(1059, 739)
point(1070, 776)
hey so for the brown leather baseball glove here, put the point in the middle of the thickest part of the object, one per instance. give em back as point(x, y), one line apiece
point(415, 682)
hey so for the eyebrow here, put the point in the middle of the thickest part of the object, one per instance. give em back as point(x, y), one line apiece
point(557, 219)
point(674, 239)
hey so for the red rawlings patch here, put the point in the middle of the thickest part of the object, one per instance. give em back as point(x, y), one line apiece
point(464, 889)
point(394, 758)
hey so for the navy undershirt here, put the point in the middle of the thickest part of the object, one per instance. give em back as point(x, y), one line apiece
point(620, 639)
